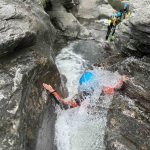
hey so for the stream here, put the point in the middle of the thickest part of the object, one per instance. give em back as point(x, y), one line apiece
point(82, 128)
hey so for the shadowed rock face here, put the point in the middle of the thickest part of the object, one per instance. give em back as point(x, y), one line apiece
point(27, 33)
point(45, 140)
point(22, 98)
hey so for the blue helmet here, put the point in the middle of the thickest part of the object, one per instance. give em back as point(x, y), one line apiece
point(87, 82)
point(86, 77)
point(125, 6)
point(119, 14)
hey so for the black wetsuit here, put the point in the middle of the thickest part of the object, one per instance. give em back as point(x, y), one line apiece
point(110, 27)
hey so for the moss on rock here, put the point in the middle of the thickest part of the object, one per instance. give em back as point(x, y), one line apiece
point(43, 2)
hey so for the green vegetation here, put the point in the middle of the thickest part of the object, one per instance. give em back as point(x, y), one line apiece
point(43, 2)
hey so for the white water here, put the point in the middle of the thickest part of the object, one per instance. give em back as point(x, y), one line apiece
point(82, 128)
point(72, 66)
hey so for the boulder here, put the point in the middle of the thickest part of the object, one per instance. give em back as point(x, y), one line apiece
point(92, 9)
point(22, 26)
point(68, 25)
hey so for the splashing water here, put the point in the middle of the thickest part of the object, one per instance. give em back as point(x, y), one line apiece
point(82, 128)
point(71, 65)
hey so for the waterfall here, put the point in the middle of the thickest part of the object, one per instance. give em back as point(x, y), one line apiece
point(82, 128)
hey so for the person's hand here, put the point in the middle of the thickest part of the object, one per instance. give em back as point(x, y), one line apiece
point(108, 90)
point(124, 78)
point(48, 87)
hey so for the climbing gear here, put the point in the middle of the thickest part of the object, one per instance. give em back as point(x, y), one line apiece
point(109, 22)
point(114, 19)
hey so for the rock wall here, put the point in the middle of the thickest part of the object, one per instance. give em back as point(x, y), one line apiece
point(128, 118)
point(65, 22)
point(27, 37)
point(133, 33)
point(22, 26)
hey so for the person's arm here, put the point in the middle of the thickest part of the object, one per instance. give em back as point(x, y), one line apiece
point(120, 82)
point(58, 97)
point(110, 90)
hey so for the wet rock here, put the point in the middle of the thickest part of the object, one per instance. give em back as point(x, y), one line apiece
point(23, 100)
point(133, 33)
point(91, 51)
point(70, 5)
point(126, 128)
point(22, 26)
point(45, 140)
point(137, 87)
point(68, 25)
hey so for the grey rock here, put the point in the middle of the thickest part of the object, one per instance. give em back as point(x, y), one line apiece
point(137, 87)
point(68, 25)
point(91, 51)
point(126, 130)
point(22, 26)
point(105, 11)
point(133, 33)
point(23, 100)
point(92, 9)
point(70, 5)
point(45, 140)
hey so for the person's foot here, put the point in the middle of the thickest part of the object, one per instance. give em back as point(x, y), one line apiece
point(112, 38)
point(106, 37)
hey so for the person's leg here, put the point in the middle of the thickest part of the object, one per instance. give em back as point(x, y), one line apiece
point(108, 31)
point(114, 29)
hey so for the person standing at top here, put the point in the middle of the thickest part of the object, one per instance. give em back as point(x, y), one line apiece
point(112, 23)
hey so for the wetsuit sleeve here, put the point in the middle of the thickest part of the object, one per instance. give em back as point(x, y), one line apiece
point(118, 84)
point(71, 103)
